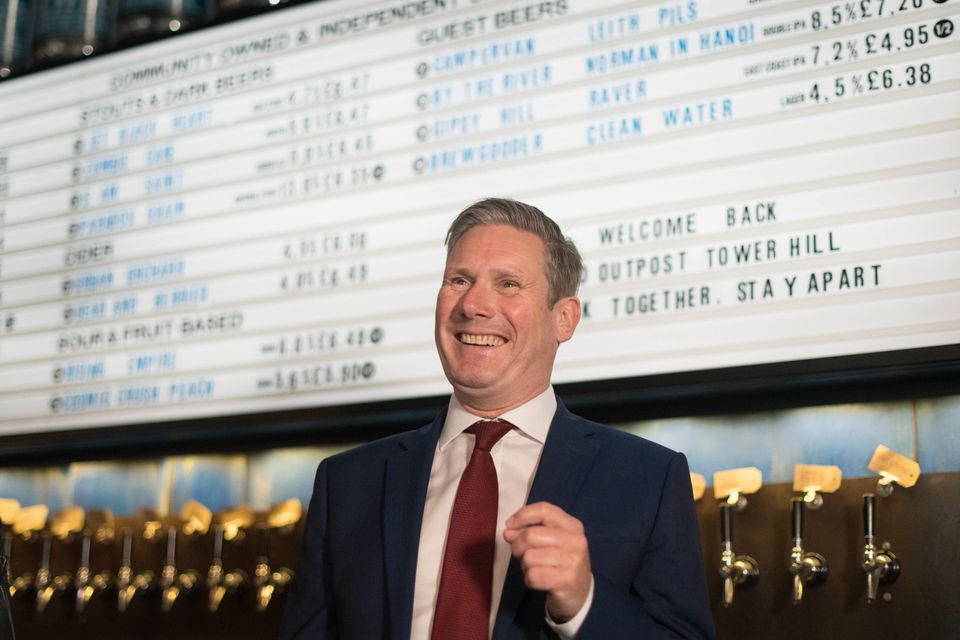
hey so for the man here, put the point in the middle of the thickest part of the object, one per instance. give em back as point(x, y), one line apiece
point(594, 533)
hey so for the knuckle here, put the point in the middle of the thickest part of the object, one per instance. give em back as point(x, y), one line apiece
point(582, 546)
point(536, 577)
point(535, 535)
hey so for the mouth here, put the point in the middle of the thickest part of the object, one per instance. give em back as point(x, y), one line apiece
point(480, 340)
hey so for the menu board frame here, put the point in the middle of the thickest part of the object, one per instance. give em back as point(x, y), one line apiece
point(698, 296)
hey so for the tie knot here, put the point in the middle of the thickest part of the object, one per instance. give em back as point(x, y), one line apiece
point(488, 432)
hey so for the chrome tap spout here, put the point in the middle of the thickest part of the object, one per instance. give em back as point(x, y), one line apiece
point(880, 565)
point(806, 568)
point(219, 582)
point(736, 570)
point(174, 584)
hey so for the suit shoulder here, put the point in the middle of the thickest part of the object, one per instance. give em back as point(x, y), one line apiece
point(633, 442)
point(625, 443)
point(377, 450)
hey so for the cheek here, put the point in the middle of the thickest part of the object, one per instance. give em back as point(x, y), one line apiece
point(445, 304)
point(526, 323)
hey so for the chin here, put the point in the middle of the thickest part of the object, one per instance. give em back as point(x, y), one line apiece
point(476, 385)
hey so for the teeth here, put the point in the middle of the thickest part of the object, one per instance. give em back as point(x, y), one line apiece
point(485, 341)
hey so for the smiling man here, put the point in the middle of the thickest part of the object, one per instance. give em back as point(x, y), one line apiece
point(499, 321)
point(507, 516)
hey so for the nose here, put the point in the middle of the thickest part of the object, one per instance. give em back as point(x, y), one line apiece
point(477, 301)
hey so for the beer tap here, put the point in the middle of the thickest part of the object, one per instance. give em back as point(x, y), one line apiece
point(880, 564)
point(806, 567)
point(84, 588)
point(195, 521)
point(86, 585)
point(128, 583)
point(220, 583)
point(9, 511)
point(45, 586)
point(27, 525)
point(737, 571)
point(809, 569)
point(125, 588)
point(266, 581)
point(63, 526)
point(173, 583)
point(232, 524)
point(7, 551)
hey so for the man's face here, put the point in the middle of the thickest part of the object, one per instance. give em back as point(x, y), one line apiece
point(496, 335)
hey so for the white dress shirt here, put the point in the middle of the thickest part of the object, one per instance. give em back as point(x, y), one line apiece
point(515, 457)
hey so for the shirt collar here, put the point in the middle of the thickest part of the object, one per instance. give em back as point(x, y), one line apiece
point(533, 418)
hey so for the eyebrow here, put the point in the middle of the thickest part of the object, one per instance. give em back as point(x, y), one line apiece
point(455, 270)
point(497, 273)
point(503, 273)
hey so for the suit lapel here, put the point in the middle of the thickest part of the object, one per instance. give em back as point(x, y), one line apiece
point(567, 456)
point(404, 494)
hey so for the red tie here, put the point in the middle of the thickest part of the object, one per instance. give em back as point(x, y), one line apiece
point(466, 582)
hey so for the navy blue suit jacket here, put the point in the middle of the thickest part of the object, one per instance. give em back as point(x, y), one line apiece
point(355, 579)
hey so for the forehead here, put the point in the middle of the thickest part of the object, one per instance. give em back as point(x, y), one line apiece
point(498, 246)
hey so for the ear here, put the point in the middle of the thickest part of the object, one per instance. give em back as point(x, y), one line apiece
point(566, 317)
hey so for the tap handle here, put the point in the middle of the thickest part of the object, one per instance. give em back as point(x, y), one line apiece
point(125, 589)
point(215, 572)
point(796, 521)
point(218, 545)
point(82, 579)
point(8, 554)
point(85, 549)
point(171, 546)
point(264, 530)
point(127, 556)
point(263, 572)
point(869, 516)
point(726, 524)
point(45, 554)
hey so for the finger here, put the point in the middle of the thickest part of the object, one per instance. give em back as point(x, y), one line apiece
point(545, 514)
point(555, 558)
point(538, 537)
point(543, 536)
point(541, 578)
point(560, 582)
point(518, 541)
point(565, 577)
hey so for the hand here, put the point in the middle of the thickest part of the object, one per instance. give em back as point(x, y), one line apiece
point(552, 549)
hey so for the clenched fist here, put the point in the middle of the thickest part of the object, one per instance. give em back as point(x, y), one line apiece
point(552, 549)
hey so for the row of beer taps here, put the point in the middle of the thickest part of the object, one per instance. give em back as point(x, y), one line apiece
point(30, 524)
point(807, 569)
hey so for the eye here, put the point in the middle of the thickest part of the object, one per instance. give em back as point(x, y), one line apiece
point(458, 281)
point(509, 284)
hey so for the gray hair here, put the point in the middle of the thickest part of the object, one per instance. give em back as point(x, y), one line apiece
point(564, 266)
